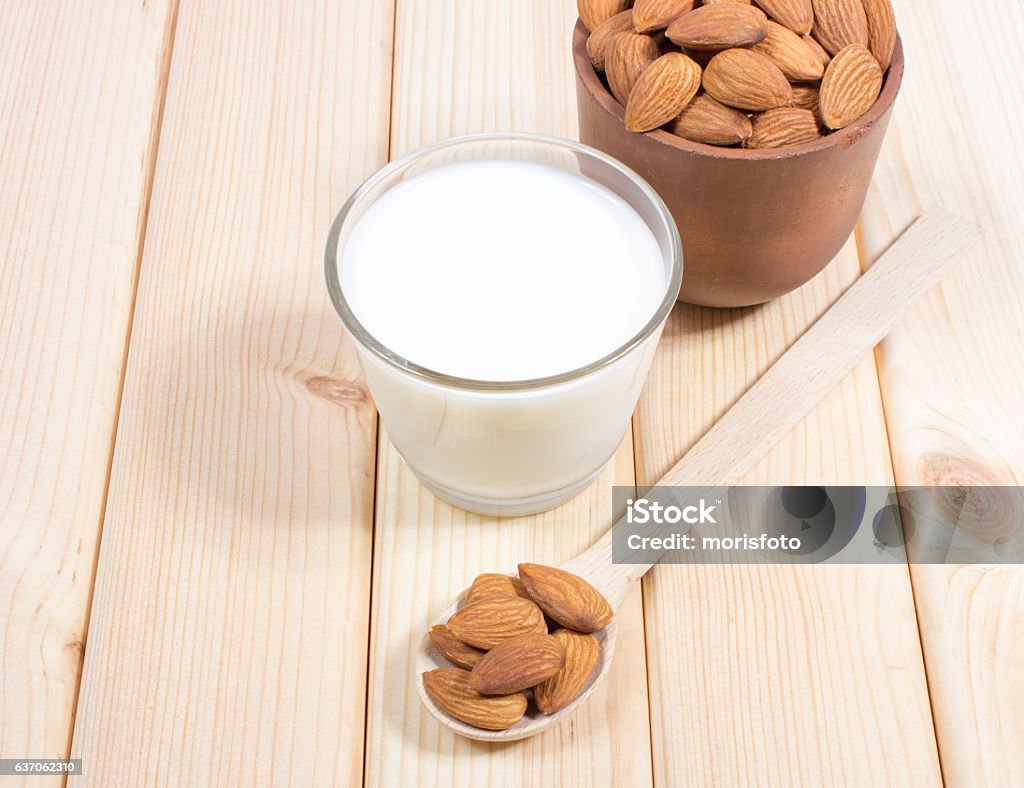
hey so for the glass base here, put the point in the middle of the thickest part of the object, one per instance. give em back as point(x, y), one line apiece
point(510, 507)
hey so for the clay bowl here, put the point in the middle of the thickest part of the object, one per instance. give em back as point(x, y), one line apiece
point(755, 224)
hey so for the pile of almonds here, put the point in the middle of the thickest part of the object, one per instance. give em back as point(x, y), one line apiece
point(502, 645)
point(733, 72)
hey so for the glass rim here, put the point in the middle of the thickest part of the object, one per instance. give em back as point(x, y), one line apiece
point(397, 361)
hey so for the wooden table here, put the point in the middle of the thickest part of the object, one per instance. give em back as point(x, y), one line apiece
point(213, 563)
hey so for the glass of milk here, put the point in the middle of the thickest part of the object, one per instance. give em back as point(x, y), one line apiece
point(505, 293)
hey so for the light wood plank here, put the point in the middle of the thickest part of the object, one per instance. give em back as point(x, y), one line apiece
point(953, 377)
point(230, 621)
point(81, 86)
point(766, 674)
point(464, 66)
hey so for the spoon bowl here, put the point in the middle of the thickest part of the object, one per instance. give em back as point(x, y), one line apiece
point(614, 587)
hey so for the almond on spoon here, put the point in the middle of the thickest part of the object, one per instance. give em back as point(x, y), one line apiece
point(518, 664)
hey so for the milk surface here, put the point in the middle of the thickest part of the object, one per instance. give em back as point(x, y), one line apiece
point(502, 270)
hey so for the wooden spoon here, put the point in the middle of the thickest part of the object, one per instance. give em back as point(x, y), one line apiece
point(776, 403)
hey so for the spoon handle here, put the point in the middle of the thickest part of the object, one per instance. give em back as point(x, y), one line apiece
point(813, 366)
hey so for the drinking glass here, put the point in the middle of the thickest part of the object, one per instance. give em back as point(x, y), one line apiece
point(508, 447)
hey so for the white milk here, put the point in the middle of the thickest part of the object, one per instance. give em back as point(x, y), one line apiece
point(504, 271)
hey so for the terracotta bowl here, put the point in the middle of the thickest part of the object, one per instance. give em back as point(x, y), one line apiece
point(754, 223)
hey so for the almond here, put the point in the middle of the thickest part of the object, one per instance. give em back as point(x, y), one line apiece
point(851, 85)
point(797, 15)
point(581, 657)
point(747, 80)
point(626, 55)
point(662, 91)
point(839, 23)
point(783, 126)
point(594, 12)
point(881, 30)
point(597, 43)
point(568, 599)
point(719, 27)
point(789, 52)
point(487, 623)
point(491, 585)
point(817, 50)
point(805, 97)
point(517, 664)
point(651, 15)
point(711, 122)
point(719, 2)
point(453, 649)
point(449, 688)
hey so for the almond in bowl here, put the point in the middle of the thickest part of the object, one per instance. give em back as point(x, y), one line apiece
point(759, 123)
point(662, 56)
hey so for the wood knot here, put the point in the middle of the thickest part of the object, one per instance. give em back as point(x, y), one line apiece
point(960, 469)
point(977, 497)
point(77, 649)
point(340, 392)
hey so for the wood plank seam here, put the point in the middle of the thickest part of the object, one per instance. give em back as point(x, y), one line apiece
point(373, 530)
point(391, 152)
point(634, 435)
point(166, 54)
point(376, 444)
point(862, 258)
